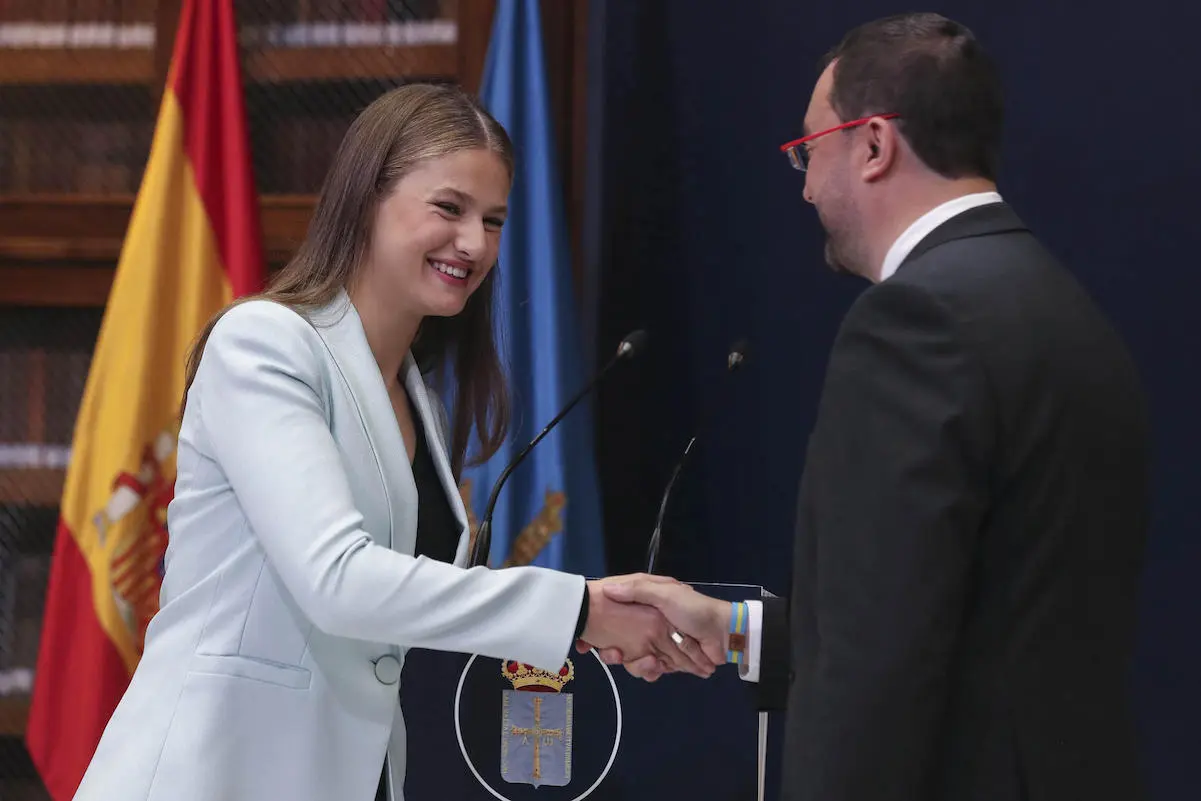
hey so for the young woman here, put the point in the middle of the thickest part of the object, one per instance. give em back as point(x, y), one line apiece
point(317, 530)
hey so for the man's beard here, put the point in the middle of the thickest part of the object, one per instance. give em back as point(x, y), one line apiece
point(837, 257)
point(832, 259)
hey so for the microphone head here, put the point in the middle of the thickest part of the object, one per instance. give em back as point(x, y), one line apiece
point(633, 344)
point(737, 354)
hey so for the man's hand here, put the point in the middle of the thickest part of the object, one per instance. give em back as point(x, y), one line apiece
point(626, 629)
point(703, 622)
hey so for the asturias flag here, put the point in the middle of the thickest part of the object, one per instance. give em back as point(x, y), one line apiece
point(550, 505)
point(193, 244)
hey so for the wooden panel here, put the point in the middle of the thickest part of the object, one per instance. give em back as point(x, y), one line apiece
point(557, 45)
point(65, 217)
point(285, 222)
point(475, 29)
point(338, 63)
point(40, 266)
point(50, 249)
point(565, 40)
point(40, 227)
point(14, 712)
point(101, 65)
point(166, 24)
point(34, 486)
point(55, 284)
point(35, 402)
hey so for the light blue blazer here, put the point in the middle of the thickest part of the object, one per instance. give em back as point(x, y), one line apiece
point(291, 593)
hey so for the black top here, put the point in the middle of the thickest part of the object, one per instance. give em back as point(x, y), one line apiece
point(969, 539)
point(437, 529)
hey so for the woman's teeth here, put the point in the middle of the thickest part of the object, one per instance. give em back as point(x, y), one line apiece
point(454, 272)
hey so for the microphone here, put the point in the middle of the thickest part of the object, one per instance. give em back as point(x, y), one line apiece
point(734, 360)
point(628, 348)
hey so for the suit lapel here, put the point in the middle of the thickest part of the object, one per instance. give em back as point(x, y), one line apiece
point(435, 438)
point(994, 218)
point(342, 329)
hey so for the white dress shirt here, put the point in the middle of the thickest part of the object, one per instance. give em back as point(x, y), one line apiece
point(901, 248)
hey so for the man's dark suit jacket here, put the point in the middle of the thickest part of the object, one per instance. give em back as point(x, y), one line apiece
point(971, 526)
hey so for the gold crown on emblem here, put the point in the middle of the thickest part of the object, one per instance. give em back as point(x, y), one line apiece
point(527, 677)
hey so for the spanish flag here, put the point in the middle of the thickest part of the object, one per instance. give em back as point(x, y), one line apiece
point(193, 244)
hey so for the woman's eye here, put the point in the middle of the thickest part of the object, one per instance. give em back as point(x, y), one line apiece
point(450, 208)
point(494, 222)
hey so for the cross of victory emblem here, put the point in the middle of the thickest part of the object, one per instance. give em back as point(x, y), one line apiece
point(536, 726)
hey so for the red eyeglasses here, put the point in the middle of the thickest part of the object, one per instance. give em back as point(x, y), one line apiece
point(799, 155)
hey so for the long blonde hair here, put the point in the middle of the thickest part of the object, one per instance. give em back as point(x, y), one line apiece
point(398, 130)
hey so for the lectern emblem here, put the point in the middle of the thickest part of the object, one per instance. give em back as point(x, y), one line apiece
point(535, 745)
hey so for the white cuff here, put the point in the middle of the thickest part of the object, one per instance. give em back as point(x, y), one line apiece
point(749, 670)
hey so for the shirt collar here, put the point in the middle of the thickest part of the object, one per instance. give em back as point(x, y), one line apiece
point(923, 225)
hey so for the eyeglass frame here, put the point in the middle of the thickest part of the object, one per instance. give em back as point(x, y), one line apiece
point(801, 163)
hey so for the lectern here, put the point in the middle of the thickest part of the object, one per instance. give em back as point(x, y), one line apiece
point(481, 729)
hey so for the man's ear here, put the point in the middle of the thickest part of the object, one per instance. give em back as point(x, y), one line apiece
point(882, 144)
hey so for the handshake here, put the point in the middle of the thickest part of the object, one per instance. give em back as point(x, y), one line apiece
point(655, 625)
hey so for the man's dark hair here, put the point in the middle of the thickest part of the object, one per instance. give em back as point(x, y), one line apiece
point(933, 73)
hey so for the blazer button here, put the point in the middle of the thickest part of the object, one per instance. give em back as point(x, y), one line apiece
point(387, 669)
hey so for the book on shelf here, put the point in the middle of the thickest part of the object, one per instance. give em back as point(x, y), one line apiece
point(68, 24)
point(130, 24)
point(23, 579)
point(45, 355)
point(71, 154)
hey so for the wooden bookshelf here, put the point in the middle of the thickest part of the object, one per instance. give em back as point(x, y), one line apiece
point(14, 712)
point(33, 226)
point(86, 66)
point(61, 249)
point(93, 224)
point(40, 266)
point(42, 486)
point(281, 64)
point(55, 285)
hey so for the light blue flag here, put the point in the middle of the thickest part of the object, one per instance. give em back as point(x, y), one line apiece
point(537, 322)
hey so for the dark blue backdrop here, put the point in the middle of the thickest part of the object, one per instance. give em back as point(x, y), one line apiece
point(698, 230)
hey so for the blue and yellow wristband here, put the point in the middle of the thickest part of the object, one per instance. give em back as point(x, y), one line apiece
point(739, 617)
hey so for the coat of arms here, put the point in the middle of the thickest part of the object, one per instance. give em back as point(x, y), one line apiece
point(535, 745)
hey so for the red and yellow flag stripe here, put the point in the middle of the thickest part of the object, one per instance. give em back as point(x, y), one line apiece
point(193, 244)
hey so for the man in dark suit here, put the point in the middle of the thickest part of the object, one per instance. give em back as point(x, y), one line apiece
point(975, 497)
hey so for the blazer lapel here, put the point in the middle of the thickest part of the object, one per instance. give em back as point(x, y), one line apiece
point(342, 329)
point(994, 218)
point(434, 436)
